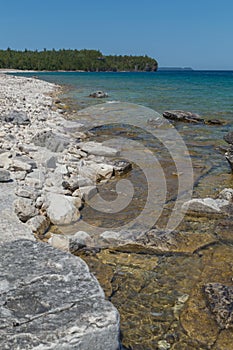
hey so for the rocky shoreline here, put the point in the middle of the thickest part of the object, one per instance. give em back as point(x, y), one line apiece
point(48, 171)
point(43, 182)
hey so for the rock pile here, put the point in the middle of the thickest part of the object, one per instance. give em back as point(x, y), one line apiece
point(46, 157)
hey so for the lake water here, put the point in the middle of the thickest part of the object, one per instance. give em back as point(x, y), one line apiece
point(160, 296)
point(208, 93)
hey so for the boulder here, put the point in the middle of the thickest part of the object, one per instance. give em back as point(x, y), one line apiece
point(5, 175)
point(61, 209)
point(183, 116)
point(50, 140)
point(25, 208)
point(98, 94)
point(49, 300)
point(16, 117)
point(39, 224)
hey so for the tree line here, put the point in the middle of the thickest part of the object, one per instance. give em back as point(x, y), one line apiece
point(73, 60)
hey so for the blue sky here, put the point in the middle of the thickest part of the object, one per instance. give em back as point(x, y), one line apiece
point(196, 33)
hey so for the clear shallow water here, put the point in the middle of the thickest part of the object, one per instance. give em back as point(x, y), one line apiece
point(160, 296)
point(208, 93)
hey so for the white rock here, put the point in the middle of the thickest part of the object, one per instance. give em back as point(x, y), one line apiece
point(18, 165)
point(27, 192)
point(39, 224)
point(25, 208)
point(61, 209)
point(98, 149)
point(5, 160)
point(59, 241)
point(86, 192)
point(226, 194)
point(203, 206)
point(79, 240)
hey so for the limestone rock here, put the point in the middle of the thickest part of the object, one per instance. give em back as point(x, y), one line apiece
point(16, 117)
point(59, 241)
point(39, 224)
point(5, 159)
point(5, 175)
point(27, 192)
point(56, 304)
point(79, 240)
point(229, 137)
point(25, 208)
point(206, 206)
point(50, 140)
point(61, 209)
point(19, 165)
point(98, 149)
point(98, 94)
point(183, 116)
point(86, 192)
point(227, 194)
point(121, 167)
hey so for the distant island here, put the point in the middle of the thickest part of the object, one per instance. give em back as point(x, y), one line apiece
point(74, 60)
point(175, 68)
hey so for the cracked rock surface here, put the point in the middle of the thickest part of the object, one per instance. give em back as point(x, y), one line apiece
point(50, 300)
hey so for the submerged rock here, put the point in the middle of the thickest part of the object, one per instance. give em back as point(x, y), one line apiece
point(206, 206)
point(183, 116)
point(222, 205)
point(120, 166)
point(220, 302)
point(229, 137)
point(229, 153)
point(57, 304)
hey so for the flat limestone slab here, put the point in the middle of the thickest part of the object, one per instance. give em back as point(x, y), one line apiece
point(50, 300)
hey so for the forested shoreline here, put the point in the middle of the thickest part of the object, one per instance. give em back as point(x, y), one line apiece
point(74, 60)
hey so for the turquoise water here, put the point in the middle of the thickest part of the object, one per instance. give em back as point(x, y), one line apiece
point(146, 297)
point(209, 93)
